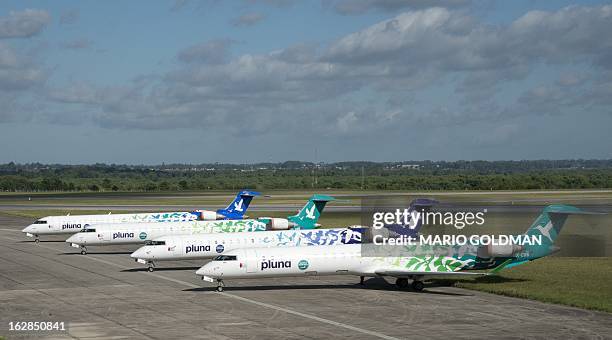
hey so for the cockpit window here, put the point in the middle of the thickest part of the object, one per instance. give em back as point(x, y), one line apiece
point(40, 222)
point(225, 258)
point(155, 243)
point(88, 230)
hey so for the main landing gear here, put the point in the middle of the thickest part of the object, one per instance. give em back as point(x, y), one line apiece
point(220, 285)
point(83, 250)
point(417, 285)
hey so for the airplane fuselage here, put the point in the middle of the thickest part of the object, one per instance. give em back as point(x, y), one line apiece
point(325, 260)
point(136, 233)
point(57, 225)
point(204, 246)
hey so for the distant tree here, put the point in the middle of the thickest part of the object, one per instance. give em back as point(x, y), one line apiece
point(106, 183)
point(164, 186)
point(183, 185)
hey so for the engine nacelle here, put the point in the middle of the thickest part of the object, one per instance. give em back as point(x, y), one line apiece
point(495, 250)
point(207, 215)
point(274, 223)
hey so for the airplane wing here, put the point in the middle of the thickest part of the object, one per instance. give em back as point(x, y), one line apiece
point(410, 273)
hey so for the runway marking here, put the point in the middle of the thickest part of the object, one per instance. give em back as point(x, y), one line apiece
point(191, 285)
point(262, 304)
point(312, 317)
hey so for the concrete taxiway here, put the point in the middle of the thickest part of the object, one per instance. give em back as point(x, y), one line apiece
point(106, 295)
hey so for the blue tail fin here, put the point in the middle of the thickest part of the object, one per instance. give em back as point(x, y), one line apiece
point(416, 210)
point(239, 205)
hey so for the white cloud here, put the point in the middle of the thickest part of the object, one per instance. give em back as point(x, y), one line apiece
point(248, 19)
point(405, 56)
point(24, 24)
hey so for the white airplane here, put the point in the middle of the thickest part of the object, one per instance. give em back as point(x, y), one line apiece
point(311, 261)
point(139, 233)
point(205, 246)
point(70, 224)
point(416, 266)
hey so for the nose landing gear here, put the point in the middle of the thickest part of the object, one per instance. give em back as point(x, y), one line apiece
point(37, 239)
point(220, 285)
point(151, 266)
point(83, 250)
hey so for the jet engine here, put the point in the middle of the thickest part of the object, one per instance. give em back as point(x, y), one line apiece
point(494, 250)
point(274, 223)
point(206, 215)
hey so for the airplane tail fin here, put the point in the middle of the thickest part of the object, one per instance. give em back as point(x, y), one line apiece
point(547, 228)
point(308, 216)
point(416, 210)
point(549, 223)
point(239, 205)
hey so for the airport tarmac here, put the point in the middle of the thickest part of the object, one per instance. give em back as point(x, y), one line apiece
point(106, 295)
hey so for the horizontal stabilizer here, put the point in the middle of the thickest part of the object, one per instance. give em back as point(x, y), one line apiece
point(321, 198)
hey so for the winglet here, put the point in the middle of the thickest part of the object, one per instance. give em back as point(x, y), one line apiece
point(497, 269)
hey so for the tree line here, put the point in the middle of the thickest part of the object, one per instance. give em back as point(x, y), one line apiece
point(426, 175)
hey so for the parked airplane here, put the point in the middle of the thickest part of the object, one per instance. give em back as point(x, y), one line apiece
point(135, 233)
point(70, 224)
point(203, 246)
point(348, 259)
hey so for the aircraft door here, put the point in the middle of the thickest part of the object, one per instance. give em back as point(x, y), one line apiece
point(104, 235)
point(251, 261)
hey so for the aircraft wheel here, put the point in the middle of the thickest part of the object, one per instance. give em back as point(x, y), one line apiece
point(401, 283)
point(83, 251)
point(220, 286)
point(37, 240)
point(150, 269)
point(418, 286)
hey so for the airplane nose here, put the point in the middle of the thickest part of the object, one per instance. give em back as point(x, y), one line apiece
point(29, 229)
point(203, 271)
point(71, 239)
point(210, 270)
point(138, 254)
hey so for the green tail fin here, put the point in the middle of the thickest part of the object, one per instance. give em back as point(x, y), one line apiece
point(309, 215)
point(548, 225)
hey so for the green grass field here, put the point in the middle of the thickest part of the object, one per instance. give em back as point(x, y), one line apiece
point(580, 282)
point(345, 197)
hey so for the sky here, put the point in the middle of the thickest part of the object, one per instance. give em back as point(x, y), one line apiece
point(146, 82)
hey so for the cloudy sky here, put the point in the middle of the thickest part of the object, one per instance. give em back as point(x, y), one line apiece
point(274, 80)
